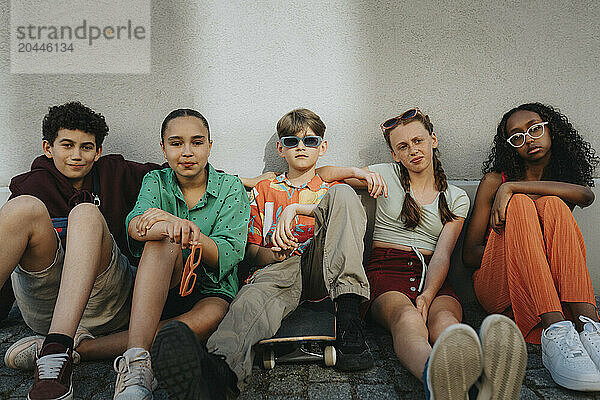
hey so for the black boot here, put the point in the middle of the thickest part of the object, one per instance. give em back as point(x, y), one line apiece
point(188, 371)
point(353, 354)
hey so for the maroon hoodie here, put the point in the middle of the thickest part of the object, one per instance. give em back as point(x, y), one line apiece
point(119, 182)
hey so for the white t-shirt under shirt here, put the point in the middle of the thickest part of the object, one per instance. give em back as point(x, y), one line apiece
point(388, 224)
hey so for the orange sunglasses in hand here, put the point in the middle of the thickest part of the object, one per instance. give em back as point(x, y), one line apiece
point(188, 279)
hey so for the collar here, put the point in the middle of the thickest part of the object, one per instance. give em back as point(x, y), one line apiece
point(213, 184)
point(314, 184)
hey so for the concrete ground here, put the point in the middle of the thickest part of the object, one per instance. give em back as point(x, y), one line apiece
point(388, 380)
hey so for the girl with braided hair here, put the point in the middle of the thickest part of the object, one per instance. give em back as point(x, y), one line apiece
point(528, 250)
point(418, 219)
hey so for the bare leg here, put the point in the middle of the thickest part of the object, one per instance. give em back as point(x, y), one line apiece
point(585, 309)
point(160, 259)
point(395, 311)
point(28, 237)
point(87, 255)
point(203, 319)
point(443, 312)
point(550, 318)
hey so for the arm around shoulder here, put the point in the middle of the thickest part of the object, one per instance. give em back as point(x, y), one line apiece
point(359, 178)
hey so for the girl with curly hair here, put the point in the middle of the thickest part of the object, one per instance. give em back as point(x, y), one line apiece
point(528, 249)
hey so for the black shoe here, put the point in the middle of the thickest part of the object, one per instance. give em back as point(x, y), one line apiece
point(188, 371)
point(353, 354)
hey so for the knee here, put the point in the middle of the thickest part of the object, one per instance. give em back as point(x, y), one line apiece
point(552, 203)
point(405, 316)
point(344, 194)
point(160, 245)
point(520, 203)
point(23, 209)
point(520, 199)
point(343, 190)
point(86, 213)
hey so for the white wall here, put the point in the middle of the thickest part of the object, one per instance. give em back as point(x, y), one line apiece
point(244, 64)
point(355, 63)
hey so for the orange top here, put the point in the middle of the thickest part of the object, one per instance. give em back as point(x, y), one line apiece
point(269, 198)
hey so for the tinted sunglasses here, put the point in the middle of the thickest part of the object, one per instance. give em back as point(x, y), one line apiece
point(293, 141)
point(393, 122)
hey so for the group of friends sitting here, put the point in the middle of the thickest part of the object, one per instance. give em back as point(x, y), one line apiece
point(113, 259)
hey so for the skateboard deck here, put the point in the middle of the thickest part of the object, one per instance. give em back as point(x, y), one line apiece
point(306, 334)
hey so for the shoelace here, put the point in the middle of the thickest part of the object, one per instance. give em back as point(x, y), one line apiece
point(595, 325)
point(574, 348)
point(596, 328)
point(49, 366)
point(130, 373)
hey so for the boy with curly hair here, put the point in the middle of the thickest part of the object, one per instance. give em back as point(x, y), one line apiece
point(64, 246)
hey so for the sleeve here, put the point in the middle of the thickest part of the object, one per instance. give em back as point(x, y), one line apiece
point(148, 197)
point(385, 169)
point(257, 209)
point(15, 190)
point(229, 231)
point(460, 203)
point(376, 168)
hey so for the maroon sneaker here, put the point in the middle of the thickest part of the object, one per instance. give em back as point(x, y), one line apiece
point(53, 374)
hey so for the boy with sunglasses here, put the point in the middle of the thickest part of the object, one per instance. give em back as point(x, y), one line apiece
point(306, 240)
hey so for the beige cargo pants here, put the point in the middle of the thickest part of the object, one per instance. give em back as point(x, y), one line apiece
point(331, 265)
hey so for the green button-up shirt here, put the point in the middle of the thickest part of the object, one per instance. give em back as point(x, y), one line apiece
point(221, 214)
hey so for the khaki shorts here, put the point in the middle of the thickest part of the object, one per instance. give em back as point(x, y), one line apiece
point(107, 309)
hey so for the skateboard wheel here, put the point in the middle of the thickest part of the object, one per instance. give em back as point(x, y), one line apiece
point(269, 359)
point(330, 356)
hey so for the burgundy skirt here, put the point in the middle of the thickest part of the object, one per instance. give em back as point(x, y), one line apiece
point(398, 271)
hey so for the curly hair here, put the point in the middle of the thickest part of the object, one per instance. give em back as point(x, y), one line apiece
point(73, 116)
point(572, 159)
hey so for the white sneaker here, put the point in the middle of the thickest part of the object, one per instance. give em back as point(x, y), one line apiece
point(504, 359)
point(567, 360)
point(590, 338)
point(135, 379)
point(21, 355)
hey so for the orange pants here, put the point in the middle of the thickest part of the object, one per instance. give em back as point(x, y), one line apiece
point(537, 263)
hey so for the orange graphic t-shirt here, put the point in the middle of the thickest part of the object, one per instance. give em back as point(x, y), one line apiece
point(270, 197)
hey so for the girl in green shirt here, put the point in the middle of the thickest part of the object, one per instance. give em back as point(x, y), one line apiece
point(188, 204)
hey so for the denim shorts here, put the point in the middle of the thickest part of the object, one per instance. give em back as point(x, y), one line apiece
point(107, 310)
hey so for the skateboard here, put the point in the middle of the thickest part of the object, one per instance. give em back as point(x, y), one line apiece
point(307, 334)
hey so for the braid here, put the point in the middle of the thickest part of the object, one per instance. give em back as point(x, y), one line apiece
point(411, 212)
point(442, 185)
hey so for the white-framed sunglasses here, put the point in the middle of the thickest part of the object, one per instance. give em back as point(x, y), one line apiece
point(535, 131)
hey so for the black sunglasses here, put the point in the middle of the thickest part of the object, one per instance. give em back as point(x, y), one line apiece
point(293, 141)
